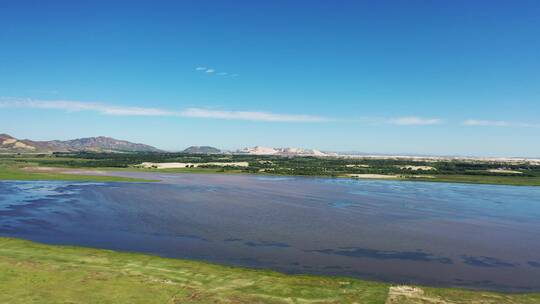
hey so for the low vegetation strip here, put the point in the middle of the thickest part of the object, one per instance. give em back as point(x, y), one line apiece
point(191, 165)
point(26, 167)
point(481, 179)
point(37, 273)
point(17, 173)
point(458, 171)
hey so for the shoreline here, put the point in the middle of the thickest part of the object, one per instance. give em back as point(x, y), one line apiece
point(104, 174)
point(125, 271)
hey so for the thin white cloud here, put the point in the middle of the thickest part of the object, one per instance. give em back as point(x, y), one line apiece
point(107, 109)
point(248, 115)
point(73, 106)
point(413, 121)
point(211, 71)
point(498, 123)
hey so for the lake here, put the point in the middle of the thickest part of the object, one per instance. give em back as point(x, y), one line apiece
point(438, 234)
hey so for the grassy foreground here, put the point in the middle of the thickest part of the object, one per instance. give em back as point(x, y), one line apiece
point(36, 273)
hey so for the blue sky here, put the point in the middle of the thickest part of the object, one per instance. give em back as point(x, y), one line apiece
point(425, 77)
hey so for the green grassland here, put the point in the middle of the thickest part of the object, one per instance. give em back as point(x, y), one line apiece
point(14, 172)
point(37, 273)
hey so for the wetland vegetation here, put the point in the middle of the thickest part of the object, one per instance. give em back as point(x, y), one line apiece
point(463, 171)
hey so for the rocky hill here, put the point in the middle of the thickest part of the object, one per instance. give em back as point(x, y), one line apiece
point(9, 144)
point(202, 150)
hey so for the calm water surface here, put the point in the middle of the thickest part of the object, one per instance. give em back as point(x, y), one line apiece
point(475, 236)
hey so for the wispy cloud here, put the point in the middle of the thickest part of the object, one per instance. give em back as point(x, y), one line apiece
point(74, 106)
point(107, 109)
point(498, 123)
point(248, 115)
point(413, 121)
point(193, 112)
point(212, 71)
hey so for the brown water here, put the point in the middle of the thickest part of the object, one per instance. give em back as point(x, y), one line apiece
point(475, 236)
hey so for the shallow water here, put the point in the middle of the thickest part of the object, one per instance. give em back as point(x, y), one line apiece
point(475, 236)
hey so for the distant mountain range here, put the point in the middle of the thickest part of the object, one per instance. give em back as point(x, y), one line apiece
point(9, 144)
